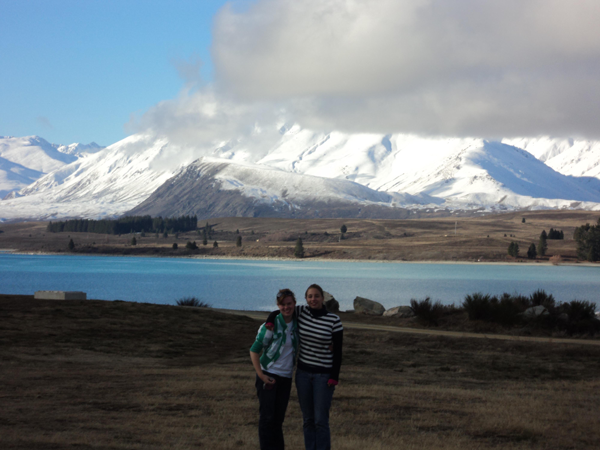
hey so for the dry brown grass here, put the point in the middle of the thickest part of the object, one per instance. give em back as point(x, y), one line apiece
point(484, 238)
point(114, 375)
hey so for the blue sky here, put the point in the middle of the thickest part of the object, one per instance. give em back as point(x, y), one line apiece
point(75, 70)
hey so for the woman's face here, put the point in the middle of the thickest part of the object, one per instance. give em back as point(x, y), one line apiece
point(314, 298)
point(286, 307)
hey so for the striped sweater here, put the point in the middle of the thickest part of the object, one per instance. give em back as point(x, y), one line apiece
point(318, 330)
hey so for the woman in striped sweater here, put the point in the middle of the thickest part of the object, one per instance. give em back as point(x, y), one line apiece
point(319, 362)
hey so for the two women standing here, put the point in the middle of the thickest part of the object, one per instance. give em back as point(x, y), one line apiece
point(320, 335)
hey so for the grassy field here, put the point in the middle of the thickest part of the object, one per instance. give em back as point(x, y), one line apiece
point(484, 238)
point(117, 375)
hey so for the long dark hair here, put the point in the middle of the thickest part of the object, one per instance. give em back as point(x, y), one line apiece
point(317, 287)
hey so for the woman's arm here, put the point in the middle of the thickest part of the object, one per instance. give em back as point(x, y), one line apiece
point(255, 358)
point(338, 341)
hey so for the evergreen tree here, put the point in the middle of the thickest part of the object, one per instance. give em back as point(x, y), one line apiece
point(532, 252)
point(343, 230)
point(165, 234)
point(205, 238)
point(237, 231)
point(143, 233)
point(175, 245)
point(215, 244)
point(299, 249)
point(588, 241)
point(238, 241)
point(71, 244)
point(133, 241)
point(513, 249)
point(523, 220)
point(542, 244)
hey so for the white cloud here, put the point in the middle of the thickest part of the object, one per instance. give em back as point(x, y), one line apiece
point(207, 123)
point(463, 67)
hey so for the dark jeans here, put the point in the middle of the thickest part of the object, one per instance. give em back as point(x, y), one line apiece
point(315, 401)
point(273, 403)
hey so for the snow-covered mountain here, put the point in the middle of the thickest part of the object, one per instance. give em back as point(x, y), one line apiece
point(301, 170)
point(25, 159)
point(211, 187)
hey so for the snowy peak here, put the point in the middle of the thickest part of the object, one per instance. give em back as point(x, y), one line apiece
point(23, 160)
point(79, 150)
point(33, 152)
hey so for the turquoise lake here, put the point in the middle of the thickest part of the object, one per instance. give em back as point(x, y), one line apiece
point(252, 284)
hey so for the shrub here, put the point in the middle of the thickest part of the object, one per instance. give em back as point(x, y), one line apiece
point(427, 311)
point(579, 310)
point(540, 297)
point(215, 244)
point(299, 249)
point(192, 301)
point(478, 306)
point(191, 245)
point(505, 310)
point(175, 245)
point(556, 260)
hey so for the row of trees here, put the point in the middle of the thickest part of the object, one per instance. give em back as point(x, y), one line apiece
point(127, 224)
point(555, 234)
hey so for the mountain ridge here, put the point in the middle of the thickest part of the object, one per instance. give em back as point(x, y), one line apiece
point(389, 170)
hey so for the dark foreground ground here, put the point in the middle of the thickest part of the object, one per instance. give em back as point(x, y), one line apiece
point(116, 375)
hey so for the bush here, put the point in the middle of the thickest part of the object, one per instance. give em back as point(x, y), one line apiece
point(175, 245)
point(299, 249)
point(427, 311)
point(579, 310)
point(192, 301)
point(191, 245)
point(540, 297)
point(478, 306)
point(505, 310)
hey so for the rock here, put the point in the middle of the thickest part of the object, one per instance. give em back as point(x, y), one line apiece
point(331, 303)
point(366, 306)
point(536, 311)
point(399, 311)
point(60, 295)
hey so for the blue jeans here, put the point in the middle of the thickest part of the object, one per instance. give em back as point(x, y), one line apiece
point(315, 400)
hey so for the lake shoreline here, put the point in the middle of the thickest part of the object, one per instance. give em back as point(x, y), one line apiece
point(309, 259)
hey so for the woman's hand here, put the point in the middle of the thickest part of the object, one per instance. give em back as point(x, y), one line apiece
point(269, 382)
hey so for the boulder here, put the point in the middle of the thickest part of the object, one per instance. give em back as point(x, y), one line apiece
point(399, 311)
point(535, 311)
point(60, 295)
point(366, 306)
point(331, 303)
